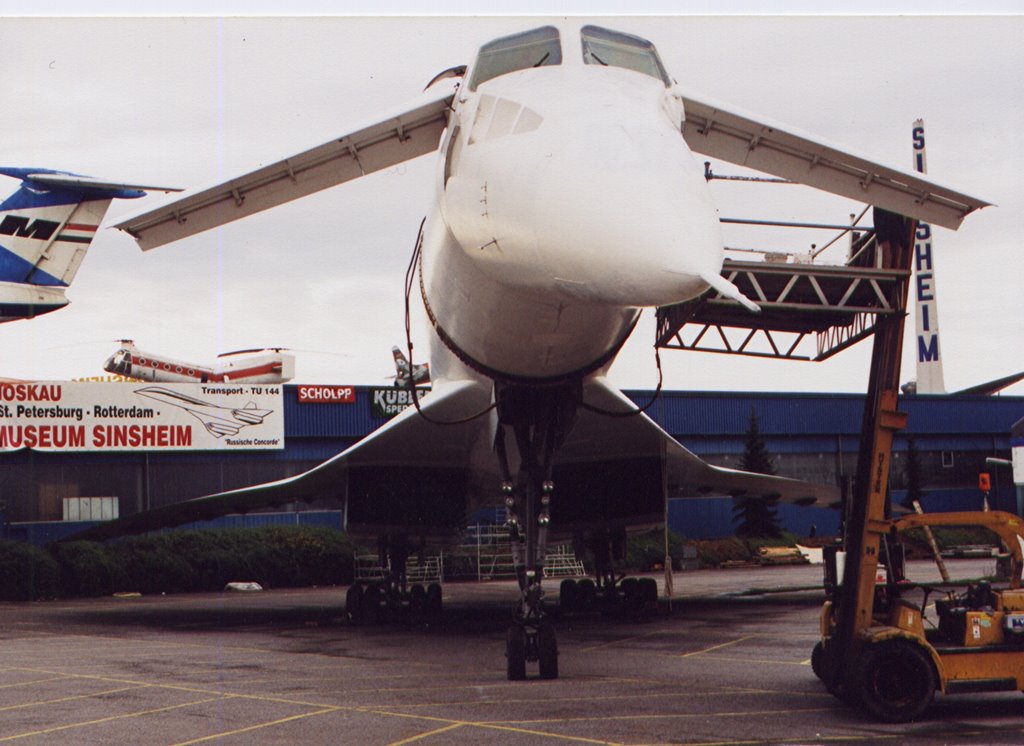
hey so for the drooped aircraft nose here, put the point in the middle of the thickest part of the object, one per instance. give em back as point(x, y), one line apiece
point(637, 228)
point(601, 203)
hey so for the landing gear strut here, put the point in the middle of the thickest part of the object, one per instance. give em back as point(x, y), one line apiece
point(538, 419)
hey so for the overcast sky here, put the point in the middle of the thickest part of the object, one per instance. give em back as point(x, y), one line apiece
point(192, 101)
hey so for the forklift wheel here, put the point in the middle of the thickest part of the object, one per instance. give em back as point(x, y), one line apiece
point(816, 655)
point(895, 680)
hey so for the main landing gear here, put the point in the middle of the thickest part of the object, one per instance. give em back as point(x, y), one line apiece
point(538, 419)
point(609, 592)
point(394, 599)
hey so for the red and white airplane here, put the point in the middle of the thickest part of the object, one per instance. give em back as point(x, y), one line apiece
point(251, 366)
point(567, 199)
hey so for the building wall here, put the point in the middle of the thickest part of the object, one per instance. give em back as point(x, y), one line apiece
point(811, 436)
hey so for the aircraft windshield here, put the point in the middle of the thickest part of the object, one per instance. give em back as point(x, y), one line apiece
point(602, 46)
point(534, 48)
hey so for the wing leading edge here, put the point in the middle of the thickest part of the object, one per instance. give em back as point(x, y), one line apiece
point(413, 131)
point(718, 131)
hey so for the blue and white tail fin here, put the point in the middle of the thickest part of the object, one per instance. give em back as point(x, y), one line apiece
point(46, 227)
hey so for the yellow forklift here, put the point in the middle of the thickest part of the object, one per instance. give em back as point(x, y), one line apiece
point(875, 651)
point(973, 643)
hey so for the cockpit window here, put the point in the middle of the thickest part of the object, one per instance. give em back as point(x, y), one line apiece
point(534, 48)
point(603, 46)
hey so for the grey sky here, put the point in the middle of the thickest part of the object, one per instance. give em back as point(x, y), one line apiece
point(190, 101)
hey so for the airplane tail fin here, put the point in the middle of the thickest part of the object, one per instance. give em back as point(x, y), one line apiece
point(401, 363)
point(46, 226)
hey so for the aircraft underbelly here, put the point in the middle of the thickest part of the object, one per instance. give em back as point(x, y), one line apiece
point(514, 331)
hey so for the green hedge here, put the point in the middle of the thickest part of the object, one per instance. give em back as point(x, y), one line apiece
point(177, 562)
point(646, 551)
point(27, 573)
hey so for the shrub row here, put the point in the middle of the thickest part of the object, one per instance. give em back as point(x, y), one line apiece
point(177, 562)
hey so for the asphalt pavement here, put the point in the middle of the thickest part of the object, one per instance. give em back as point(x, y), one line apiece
point(729, 663)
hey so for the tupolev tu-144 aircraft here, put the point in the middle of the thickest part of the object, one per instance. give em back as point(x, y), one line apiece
point(568, 198)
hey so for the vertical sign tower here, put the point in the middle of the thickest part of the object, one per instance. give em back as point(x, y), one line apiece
point(929, 354)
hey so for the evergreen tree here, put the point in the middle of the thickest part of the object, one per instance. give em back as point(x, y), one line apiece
point(756, 515)
point(912, 474)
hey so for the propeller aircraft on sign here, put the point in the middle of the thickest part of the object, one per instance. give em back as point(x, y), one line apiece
point(567, 200)
point(243, 366)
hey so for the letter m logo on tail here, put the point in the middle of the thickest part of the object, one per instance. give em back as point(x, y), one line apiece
point(15, 225)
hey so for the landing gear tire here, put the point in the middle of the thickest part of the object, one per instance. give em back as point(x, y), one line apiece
point(587, 594)
point(417, 602)
point(895, 680)
point(649, 592)
point(515, 653)
point(371, 611)
point(547, 651)
point(354, 604)
point(632, 601)
point(568, 596)
point(433, 602)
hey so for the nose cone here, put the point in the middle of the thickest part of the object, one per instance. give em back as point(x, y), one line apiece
point(632, 220)
point(603, 201)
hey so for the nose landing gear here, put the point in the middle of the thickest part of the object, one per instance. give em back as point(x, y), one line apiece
point(531, 638)
point(539, 419)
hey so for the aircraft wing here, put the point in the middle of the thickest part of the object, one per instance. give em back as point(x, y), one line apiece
point(422, 478)
point(991, 387)
point(687, 474)
point(408, 133)
point(385, 477)
point(720, 131)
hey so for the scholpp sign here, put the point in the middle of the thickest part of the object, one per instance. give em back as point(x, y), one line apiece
point(326, 394)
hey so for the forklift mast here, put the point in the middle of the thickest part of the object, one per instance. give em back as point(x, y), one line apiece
point(869, 507)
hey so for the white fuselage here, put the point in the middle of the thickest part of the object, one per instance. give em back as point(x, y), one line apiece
point(267, 367)
point(568, 201)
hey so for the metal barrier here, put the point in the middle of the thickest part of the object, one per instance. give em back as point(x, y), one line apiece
point(489, 550)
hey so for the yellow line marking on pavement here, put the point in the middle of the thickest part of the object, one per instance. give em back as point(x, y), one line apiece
point(739, 659)
point(39, 703)
point(715, 647)
point(817, 739)
point(649, 716)
point(33, 681)
point(69, 726)
point(290, 718)
point(542, 700)
point(472, 724)
point(193, 689)
point(557, 736)
point(428, 734)
point(487, 726)
point(624, 640)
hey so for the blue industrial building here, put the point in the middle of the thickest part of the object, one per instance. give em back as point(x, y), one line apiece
point(810, 436)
